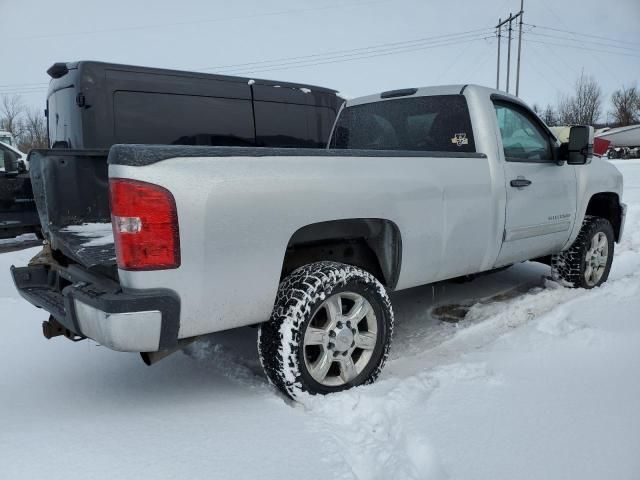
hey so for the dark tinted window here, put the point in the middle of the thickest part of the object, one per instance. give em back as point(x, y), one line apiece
point(63, 120)
point(291, 125)
point(436, 123)
point(182, 119)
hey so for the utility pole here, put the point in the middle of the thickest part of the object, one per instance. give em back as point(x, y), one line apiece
point(509, 52)
point(501, 22)
point(519, 47)
point(498, 65)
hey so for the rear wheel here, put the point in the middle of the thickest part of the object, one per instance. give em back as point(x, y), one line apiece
point(586, 264)
point(330, 330)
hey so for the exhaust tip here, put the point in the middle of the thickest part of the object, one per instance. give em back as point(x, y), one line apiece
point(146, 358)
point(150, 358)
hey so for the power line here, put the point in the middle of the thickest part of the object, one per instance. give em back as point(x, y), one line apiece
point(25, 90)
point(313, 59)
point(598, 43)
point(600, 62)
point(579, 34)
point(327, 60)
point(544, 59)
point(358, 58)
point(22, 89)
point(382, 54)
point(23, 84)
point(197, 22)
point(353, 56)
point(456, 60)
point(407, 43)
point(610, 39)
point(583, 48)
point(553, 55)
point(481, 59)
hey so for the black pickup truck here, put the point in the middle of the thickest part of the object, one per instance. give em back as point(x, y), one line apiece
point(93, 105)
point(18, 213)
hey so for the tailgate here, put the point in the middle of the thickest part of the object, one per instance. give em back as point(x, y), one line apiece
point(71, 190)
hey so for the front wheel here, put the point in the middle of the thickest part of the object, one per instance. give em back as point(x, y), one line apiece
point(586, 264)
point(330, 330)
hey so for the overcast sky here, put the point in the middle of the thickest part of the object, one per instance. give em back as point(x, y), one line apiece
point(405, 43)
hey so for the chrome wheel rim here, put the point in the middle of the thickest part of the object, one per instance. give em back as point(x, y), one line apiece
point(596, 259)
point(339, 341)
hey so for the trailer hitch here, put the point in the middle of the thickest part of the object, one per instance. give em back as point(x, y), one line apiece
point(52, 328)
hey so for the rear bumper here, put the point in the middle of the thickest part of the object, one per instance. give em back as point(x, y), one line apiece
point(97, 308)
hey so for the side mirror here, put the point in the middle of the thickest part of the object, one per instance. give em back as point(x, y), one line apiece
point(9, 162)
point(580, 148)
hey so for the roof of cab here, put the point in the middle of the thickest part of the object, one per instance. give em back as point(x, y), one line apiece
point(423, 92)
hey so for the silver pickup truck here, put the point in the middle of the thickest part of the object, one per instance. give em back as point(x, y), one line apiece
point(162, 244)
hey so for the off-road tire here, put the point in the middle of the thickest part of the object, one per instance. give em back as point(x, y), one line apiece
point(569, 266)
point(300, 295)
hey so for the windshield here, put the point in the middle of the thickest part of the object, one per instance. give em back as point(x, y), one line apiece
point(8, 139)
point(435, 123)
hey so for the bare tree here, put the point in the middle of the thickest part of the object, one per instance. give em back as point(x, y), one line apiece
point(536, 109)
point(11, 109)
point(549, 116)
point(626, 106)
point(28, 126)
point(34, 131)
point(584, 106)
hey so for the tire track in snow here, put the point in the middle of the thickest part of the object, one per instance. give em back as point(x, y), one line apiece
point(370, 427)
point(371, 430)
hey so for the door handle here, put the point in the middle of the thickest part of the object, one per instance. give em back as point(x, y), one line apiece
point(520, 182)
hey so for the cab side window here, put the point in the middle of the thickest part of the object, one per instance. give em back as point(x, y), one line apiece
point(523, 139)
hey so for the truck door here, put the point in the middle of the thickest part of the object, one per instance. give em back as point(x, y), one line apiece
point(541, 195)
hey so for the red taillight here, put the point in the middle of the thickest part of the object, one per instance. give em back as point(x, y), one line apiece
point(145, 225)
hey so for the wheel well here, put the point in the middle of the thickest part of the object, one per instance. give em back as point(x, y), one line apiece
point(607, 205)
point(372, 244)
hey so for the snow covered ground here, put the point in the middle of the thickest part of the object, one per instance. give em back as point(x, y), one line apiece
point(538, 382)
